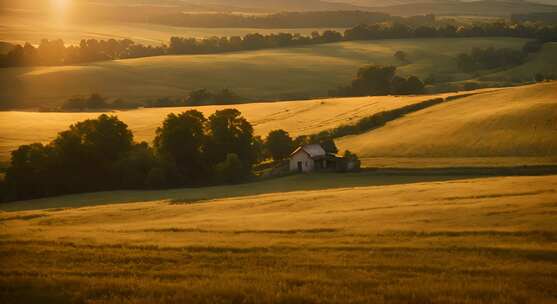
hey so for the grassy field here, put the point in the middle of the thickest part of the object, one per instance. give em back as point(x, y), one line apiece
point(520, 121)
point(298, 117)
point(21, 29)
point(288, 73)
point(490, 240)
point(495, 127)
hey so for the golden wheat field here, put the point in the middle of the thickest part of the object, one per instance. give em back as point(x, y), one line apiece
point(19, 29)
point(297, 117)
point(487, 240)
point(493, 127)
point(520, 121)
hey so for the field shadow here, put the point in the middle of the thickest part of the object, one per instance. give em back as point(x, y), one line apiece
point(300, 182)
point(291, 183)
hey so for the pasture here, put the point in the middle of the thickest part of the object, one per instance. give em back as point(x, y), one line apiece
point(287, 73)
point(494, 127)
point(20, 29)
point(297, 117)
point(519, 121)
point(487, 240)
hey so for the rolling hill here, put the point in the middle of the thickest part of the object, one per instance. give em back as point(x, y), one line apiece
point(392, 244)
point(508, 126)
point(298, 117)
point(520, 121)
point(288, 73)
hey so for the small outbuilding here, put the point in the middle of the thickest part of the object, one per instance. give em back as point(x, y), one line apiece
point(310, 158)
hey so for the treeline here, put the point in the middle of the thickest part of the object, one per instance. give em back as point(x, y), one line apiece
point(495, 29)
point(317, 19)
point(543, 17)
point(492, 58)
point(199, 97)
point(189, 150)
point(376, 80)
point(489, 58)
point(56, 53)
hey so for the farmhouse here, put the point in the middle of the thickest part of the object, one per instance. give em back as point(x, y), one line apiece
point(309, 158)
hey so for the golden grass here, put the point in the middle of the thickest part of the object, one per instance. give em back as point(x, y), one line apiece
point(21, 29)
point(297, 117)
point(514, 122)
point(489, 240)
point(265, 74)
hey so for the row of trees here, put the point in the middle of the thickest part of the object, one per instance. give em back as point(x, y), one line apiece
point(489, 58)
point(189, 150)
point(56, 53)
point(375, 80)
point(316, 19)
point(199, 97)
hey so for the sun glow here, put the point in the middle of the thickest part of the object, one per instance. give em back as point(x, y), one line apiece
point(60, 5)
point(59, 10)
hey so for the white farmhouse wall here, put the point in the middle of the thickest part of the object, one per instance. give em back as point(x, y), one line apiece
point(307, 162)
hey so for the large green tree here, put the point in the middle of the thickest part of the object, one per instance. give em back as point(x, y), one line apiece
point(230, 133)
point(279, 144)
point(181, 140)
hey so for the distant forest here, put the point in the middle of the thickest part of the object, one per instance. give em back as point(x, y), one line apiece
point(318, 19)
point(56, 53)
point(547, 17)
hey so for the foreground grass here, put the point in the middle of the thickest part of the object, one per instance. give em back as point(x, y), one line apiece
point(488, 240)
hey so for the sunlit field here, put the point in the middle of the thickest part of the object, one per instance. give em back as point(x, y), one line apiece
point(516, 126)
point(490, 240)
point(520, 121)
point(297, 117)
point(21, 29)
point(289, 73)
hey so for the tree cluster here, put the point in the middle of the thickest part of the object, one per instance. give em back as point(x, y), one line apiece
point(100, 154)
point(496, 29)
point(56, 53)
point(189, 150)
point(490, 58)
point(375, 80)
point(315, 19)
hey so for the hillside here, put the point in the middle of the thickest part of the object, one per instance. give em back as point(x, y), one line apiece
point(288, 73)
point(466, 8)
point(298, 117)
point(390, 244)
point(22, 28)
point(520, 121)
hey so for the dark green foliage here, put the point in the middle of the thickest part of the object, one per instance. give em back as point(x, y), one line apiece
point(205, 97)
point(99, 154)
point(279, 144)
point(372, 122)
point(533, 46)
point(55, 53)
point(227, 170)
point(328, 144)
point(489, 58)
point(401, 56)
point(93, 102)
point(181, 140)
point(156, 179)
point(132, 171)
point(229, 132)
point(83, 158)
point(380, 80)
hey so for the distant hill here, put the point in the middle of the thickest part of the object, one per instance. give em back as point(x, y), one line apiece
point(460, 8)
